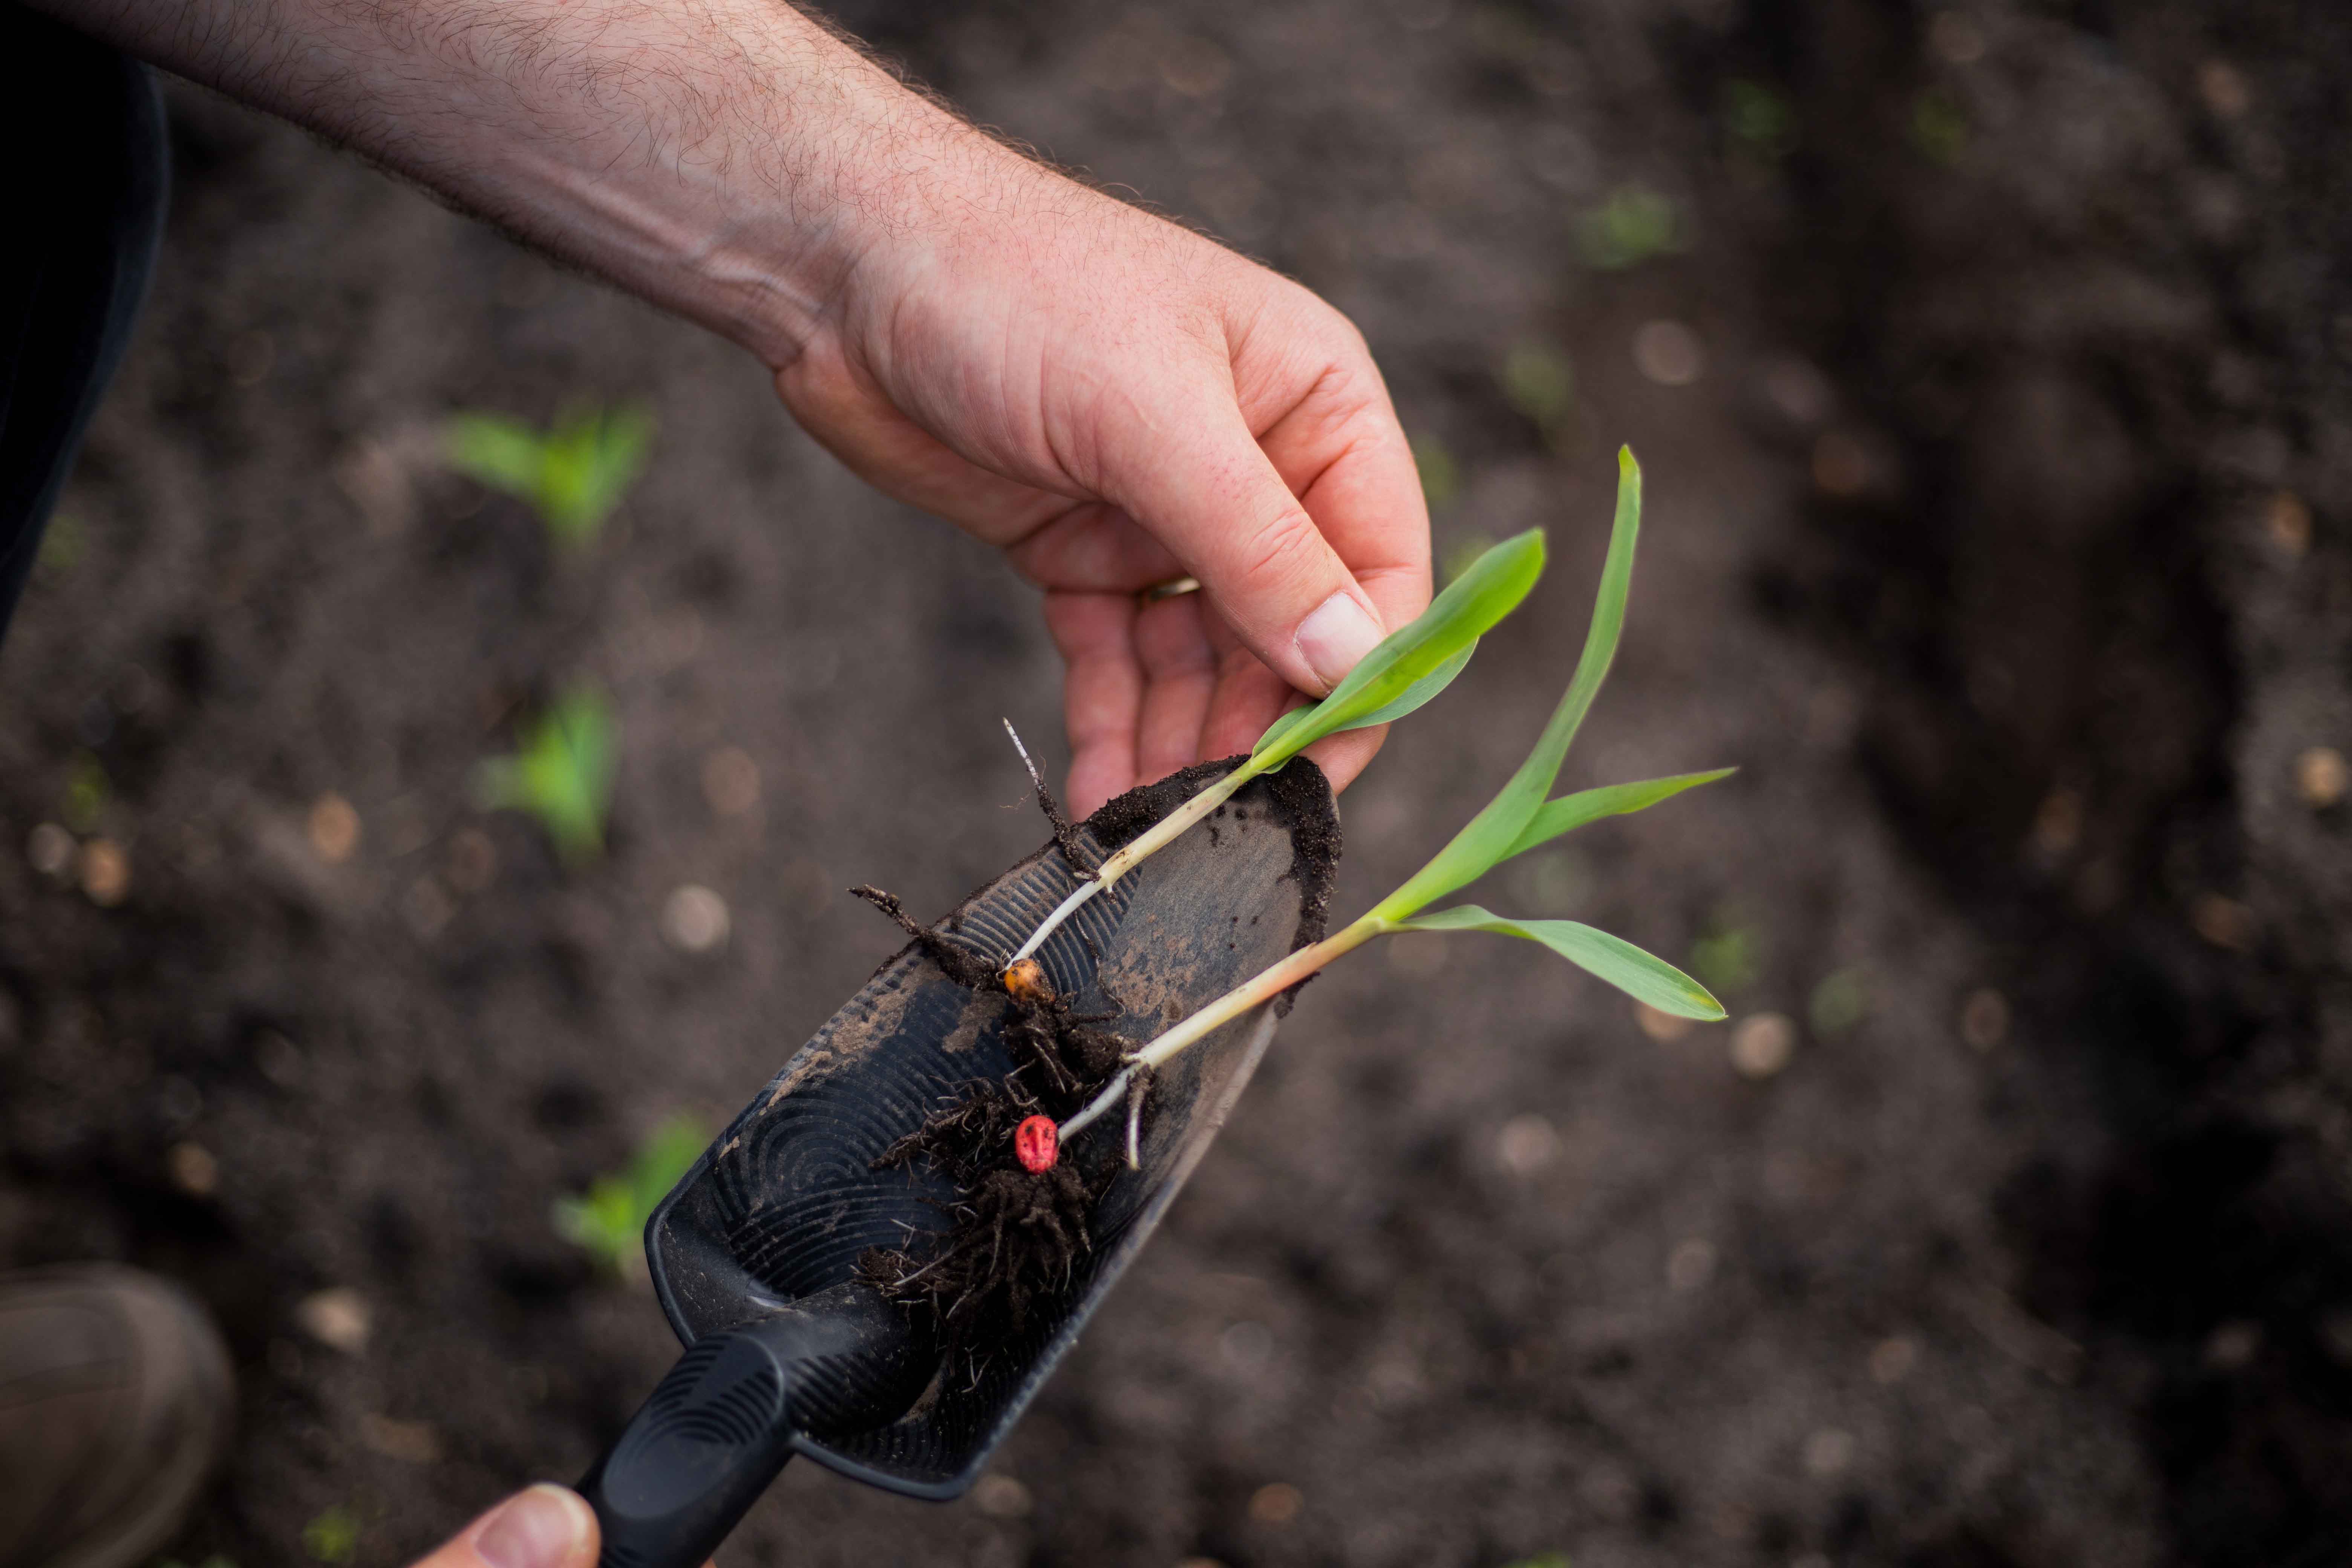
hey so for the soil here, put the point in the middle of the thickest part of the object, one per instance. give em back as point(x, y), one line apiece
point(1995, 394)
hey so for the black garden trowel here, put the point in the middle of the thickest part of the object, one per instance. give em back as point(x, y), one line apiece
point(755, 1254)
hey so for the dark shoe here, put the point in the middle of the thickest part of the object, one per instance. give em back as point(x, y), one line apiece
point(115, 1400)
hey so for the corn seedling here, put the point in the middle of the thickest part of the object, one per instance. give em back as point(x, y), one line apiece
point(1408, 667)
point(563, 775)
point(608, 1220)
point(1632, 225)
point(1539, 382)
point(333, 1537)
point(87, 793)
point(1440, 476)
point(1758, 120)
point(573, 475)
point(1520, 818)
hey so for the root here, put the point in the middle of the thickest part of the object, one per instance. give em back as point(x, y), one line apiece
point(958, 965)
point(1066, 836)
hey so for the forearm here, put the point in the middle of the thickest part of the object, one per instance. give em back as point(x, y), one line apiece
point(729, 159)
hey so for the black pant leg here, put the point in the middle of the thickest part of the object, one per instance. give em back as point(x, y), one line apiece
point(85, 167)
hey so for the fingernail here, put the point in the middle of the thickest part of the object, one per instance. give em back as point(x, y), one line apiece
point(546, 1527)
point(1339, 633)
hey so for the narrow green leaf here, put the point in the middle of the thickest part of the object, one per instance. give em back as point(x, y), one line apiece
point(1639, 974)
point(1420, 691)
point(1488, 836)
point(1404, 670)
point(1571, 812)
point(593, 459)
point(1283, 726)
point(563, 775)
point(490, 449)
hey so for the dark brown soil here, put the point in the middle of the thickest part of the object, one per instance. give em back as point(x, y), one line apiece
point(1998, 482)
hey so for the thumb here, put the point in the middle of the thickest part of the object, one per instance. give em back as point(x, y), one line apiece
point(544, 1526)
point(1208, 494)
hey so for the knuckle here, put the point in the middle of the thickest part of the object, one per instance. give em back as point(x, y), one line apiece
point(1283, 551)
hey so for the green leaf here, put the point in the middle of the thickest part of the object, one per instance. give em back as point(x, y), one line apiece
point(492, 450)
point(1640, 975)
point(334, 1536)
point(573, 476)
point(1421, 690)
point(1571, 812)
point(1412, 665)
point(1440, 476)
point(1632, 225)
point(608, 1220)
point(563, 775)
point(1539, 382)
point(592, 459)
point(1488, 836)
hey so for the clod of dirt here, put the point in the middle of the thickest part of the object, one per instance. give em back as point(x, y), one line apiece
point(1297, 798)
point(1015, 1236)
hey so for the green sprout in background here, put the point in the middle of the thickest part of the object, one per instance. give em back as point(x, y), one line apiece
point(1730, 957)
point(1631, 227)
point(1538, 381)
point(1758, 120)
point(334, 1536)
point(563, 775)
point(1838, 1003)
point(573, 475)
point(608, 1221)
point(1520, 818)
point(1440, 476)
point(63, 545)
point(86, 793)
point(1940, 126)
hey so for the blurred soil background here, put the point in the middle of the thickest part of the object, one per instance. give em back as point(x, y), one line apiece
point(1993, 371)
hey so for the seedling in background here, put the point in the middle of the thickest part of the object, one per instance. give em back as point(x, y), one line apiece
point(1940, 126)
point(1440, 476)
point(1838, 1003)
point(63, 545)
point(563, 775)
point(573, 475)
point(608, 1221)
point(86, 793)
point(333, 1537)
point(1632, 225)
point(1730, 957)
point(1408, 668)
point(1520, 818)
point(1539, 382)
point(1758, 120)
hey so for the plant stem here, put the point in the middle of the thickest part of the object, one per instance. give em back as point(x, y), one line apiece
point(1168, 827)
point(1251, 993)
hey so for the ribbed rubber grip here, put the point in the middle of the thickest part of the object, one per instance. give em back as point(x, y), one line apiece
point(721, 1424)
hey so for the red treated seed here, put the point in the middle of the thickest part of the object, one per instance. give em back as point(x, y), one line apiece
point(1038, 1143)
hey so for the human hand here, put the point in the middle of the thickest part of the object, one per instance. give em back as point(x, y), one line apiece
point(539, 1527)
point(1116, 402)
point(1113, 399)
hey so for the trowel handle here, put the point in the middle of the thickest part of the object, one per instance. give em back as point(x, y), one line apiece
point(696, 1456)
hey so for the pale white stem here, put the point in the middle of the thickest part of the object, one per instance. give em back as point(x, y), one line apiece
point(1250, 995)
point(1161, 833)
point(1036, 778)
